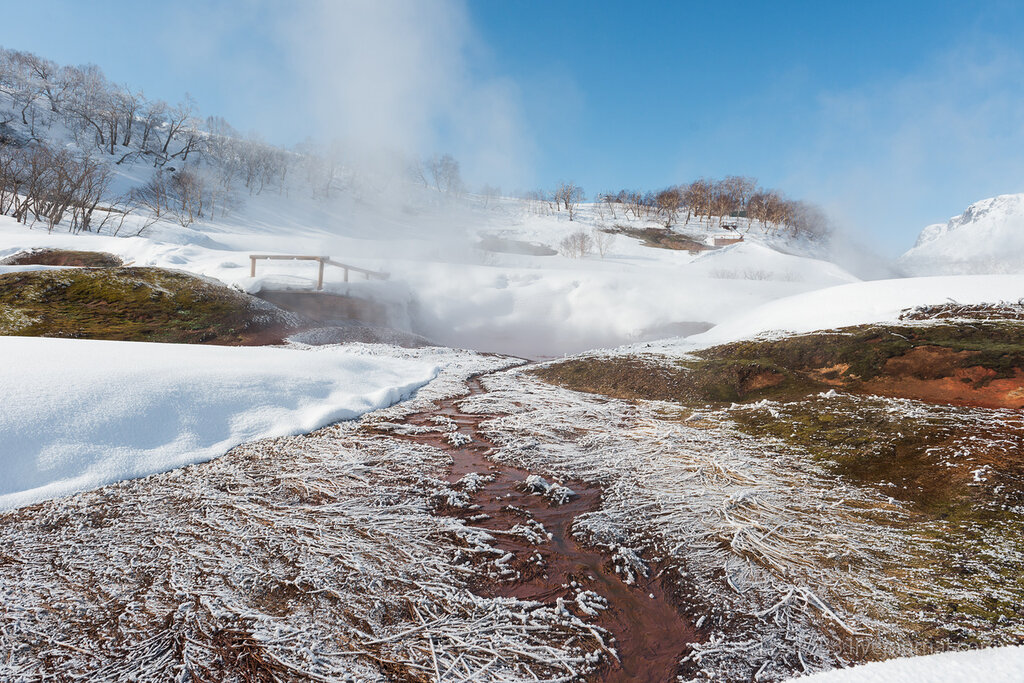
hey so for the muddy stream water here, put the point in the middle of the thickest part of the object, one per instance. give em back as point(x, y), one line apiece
point(649, 634)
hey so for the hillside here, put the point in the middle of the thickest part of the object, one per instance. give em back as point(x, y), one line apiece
point(986, 238)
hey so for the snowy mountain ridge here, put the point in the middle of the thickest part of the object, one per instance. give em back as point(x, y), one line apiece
point(988, 237)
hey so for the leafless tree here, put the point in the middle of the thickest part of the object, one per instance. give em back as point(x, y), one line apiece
point(577, 244)
point(569, 196)
point(602, 241)
point(128, 104)
point(444, 173)
point(489, 193)
point(668, 202)
point(151, 120)
point(176, 118)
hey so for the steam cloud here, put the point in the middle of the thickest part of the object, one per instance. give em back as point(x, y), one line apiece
point(397, 77)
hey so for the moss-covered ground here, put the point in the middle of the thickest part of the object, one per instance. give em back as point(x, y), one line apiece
point(135, 304)
point(63, 257)
point(923, 413)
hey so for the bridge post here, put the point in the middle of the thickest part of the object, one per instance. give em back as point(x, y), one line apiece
point(252, 270)
point(320, 277)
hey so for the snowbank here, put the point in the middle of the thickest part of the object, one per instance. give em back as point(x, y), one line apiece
point(28, 268)
point(861, 303)
point(996, 665)
point(79, 414)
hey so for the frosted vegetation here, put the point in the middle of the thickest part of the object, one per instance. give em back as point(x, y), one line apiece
point(323, 556)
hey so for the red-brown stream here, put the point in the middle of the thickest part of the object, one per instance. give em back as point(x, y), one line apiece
point(650, 635)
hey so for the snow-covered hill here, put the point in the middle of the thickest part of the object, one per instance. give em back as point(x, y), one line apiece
point(986, 238)
point(459, 294)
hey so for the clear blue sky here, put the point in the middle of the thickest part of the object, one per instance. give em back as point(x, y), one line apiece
point(892, 114)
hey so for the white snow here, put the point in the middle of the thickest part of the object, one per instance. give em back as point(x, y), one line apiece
point(458, 295)
point(861, 303)
point(79, 414)
point(27, 268)
point(995, 665)
point(986, 238)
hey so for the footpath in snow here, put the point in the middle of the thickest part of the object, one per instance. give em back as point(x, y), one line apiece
point(79, 414)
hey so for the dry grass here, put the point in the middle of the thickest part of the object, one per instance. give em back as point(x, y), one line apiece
point(299, 559)
point(792, 565)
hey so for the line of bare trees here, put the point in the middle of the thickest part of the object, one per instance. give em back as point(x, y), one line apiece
point(567, 196)
point(722, 203)
point(112, 124)
point(110, 117)
point(41, 184)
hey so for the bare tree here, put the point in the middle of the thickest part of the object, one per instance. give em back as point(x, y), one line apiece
point(577, 244)
point(602, 240)
point(127, 104)
point(151, 120)
point(176, 118)
point(444, 174)
point(668, 202)
point(569, 195)
point(155, 195)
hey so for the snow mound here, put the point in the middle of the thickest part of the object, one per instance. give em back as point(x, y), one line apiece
point(753, 260)
point(79, 414)
point(861, 303)
point(995, 665)
point(986, 238)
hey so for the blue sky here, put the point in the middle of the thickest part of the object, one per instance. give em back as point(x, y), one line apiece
point(892, 114)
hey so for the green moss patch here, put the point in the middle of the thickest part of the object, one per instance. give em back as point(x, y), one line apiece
point(691, 382)
point(136, 304)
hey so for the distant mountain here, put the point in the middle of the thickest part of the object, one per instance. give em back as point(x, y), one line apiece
point(986, 238)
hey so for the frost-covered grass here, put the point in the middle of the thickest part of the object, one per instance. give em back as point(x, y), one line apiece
point(790, 566)
point(83, 413)
point(304, 558)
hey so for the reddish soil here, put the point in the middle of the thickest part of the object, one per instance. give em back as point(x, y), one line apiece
point(973, 386)
point(932, 374)
point(649, 633)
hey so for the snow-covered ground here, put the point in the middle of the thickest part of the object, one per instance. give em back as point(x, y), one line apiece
point(458, 294)
point(861, 303)
point(995, 665)
point(986, 238)
point(79, 414)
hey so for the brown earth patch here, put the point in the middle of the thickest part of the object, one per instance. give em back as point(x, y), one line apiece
point(549, 564)
point(63, 257)
point(970, 386)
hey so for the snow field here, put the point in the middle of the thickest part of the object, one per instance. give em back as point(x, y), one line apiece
point(994, 665)
point(461, 296)
point(861, 303)
point(78, 414)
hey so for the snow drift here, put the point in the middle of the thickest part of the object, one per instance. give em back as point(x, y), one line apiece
point(995, 665)
point(79, 414)
point(986, 238)
point(861, 303)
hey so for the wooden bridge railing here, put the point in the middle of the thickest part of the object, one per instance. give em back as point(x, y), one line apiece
point(323, 260)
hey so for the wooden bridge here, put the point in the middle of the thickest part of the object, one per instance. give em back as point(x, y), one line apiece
point(323, 261)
